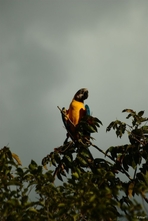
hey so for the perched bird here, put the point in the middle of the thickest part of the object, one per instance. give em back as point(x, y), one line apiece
point(77, 110)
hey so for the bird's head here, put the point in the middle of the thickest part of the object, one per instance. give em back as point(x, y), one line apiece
point(81, 95)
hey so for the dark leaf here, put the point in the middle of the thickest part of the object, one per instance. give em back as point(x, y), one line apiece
point(59, 176)
point(144, 129)
point(97, 120)
point(137, 158)
point(63, 173)
point(146, 200)
point(140, 114)
point(57, 157)
point(110, 126)
point(140, 176)
point(110, 149)
point(128, 116)
point(53, 161)
point(125, 162)
point(129, 111)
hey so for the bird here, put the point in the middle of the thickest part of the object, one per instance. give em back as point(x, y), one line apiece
point(77, 110)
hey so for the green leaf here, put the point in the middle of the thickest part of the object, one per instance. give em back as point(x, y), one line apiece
point(32, 209)
point(81, 161)
point(32, 165)
point(75, 175)
point(68, 158)
point(134, 165)
point(144, 129)
point(86, 153)
point(92, 198)
point(61, 205)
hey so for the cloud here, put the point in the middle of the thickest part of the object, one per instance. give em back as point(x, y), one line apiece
point(51, 49)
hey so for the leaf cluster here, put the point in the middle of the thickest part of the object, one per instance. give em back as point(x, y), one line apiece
point(93, 189)
point(133, 155)
point(74, 156)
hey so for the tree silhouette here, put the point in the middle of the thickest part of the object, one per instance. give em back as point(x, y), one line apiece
point(94, 189)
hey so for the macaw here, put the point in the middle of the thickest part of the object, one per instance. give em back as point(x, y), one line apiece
point(77, 110)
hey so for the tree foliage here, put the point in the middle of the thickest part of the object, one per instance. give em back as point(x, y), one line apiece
point(92, 188)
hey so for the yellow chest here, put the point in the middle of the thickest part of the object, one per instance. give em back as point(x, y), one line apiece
point(76, 111)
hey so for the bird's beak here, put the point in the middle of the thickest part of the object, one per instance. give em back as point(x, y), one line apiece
point(86, 94)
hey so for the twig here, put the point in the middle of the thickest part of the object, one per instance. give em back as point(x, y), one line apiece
point(65, 115)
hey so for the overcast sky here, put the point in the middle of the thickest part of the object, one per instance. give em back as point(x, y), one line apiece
point(51, 48)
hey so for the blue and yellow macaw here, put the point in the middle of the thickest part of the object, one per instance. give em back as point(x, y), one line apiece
point(77, 110)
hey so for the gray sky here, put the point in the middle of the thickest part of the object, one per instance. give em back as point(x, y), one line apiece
point(50, 49)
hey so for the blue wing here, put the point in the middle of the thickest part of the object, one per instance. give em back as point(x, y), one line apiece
point(87, 110)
